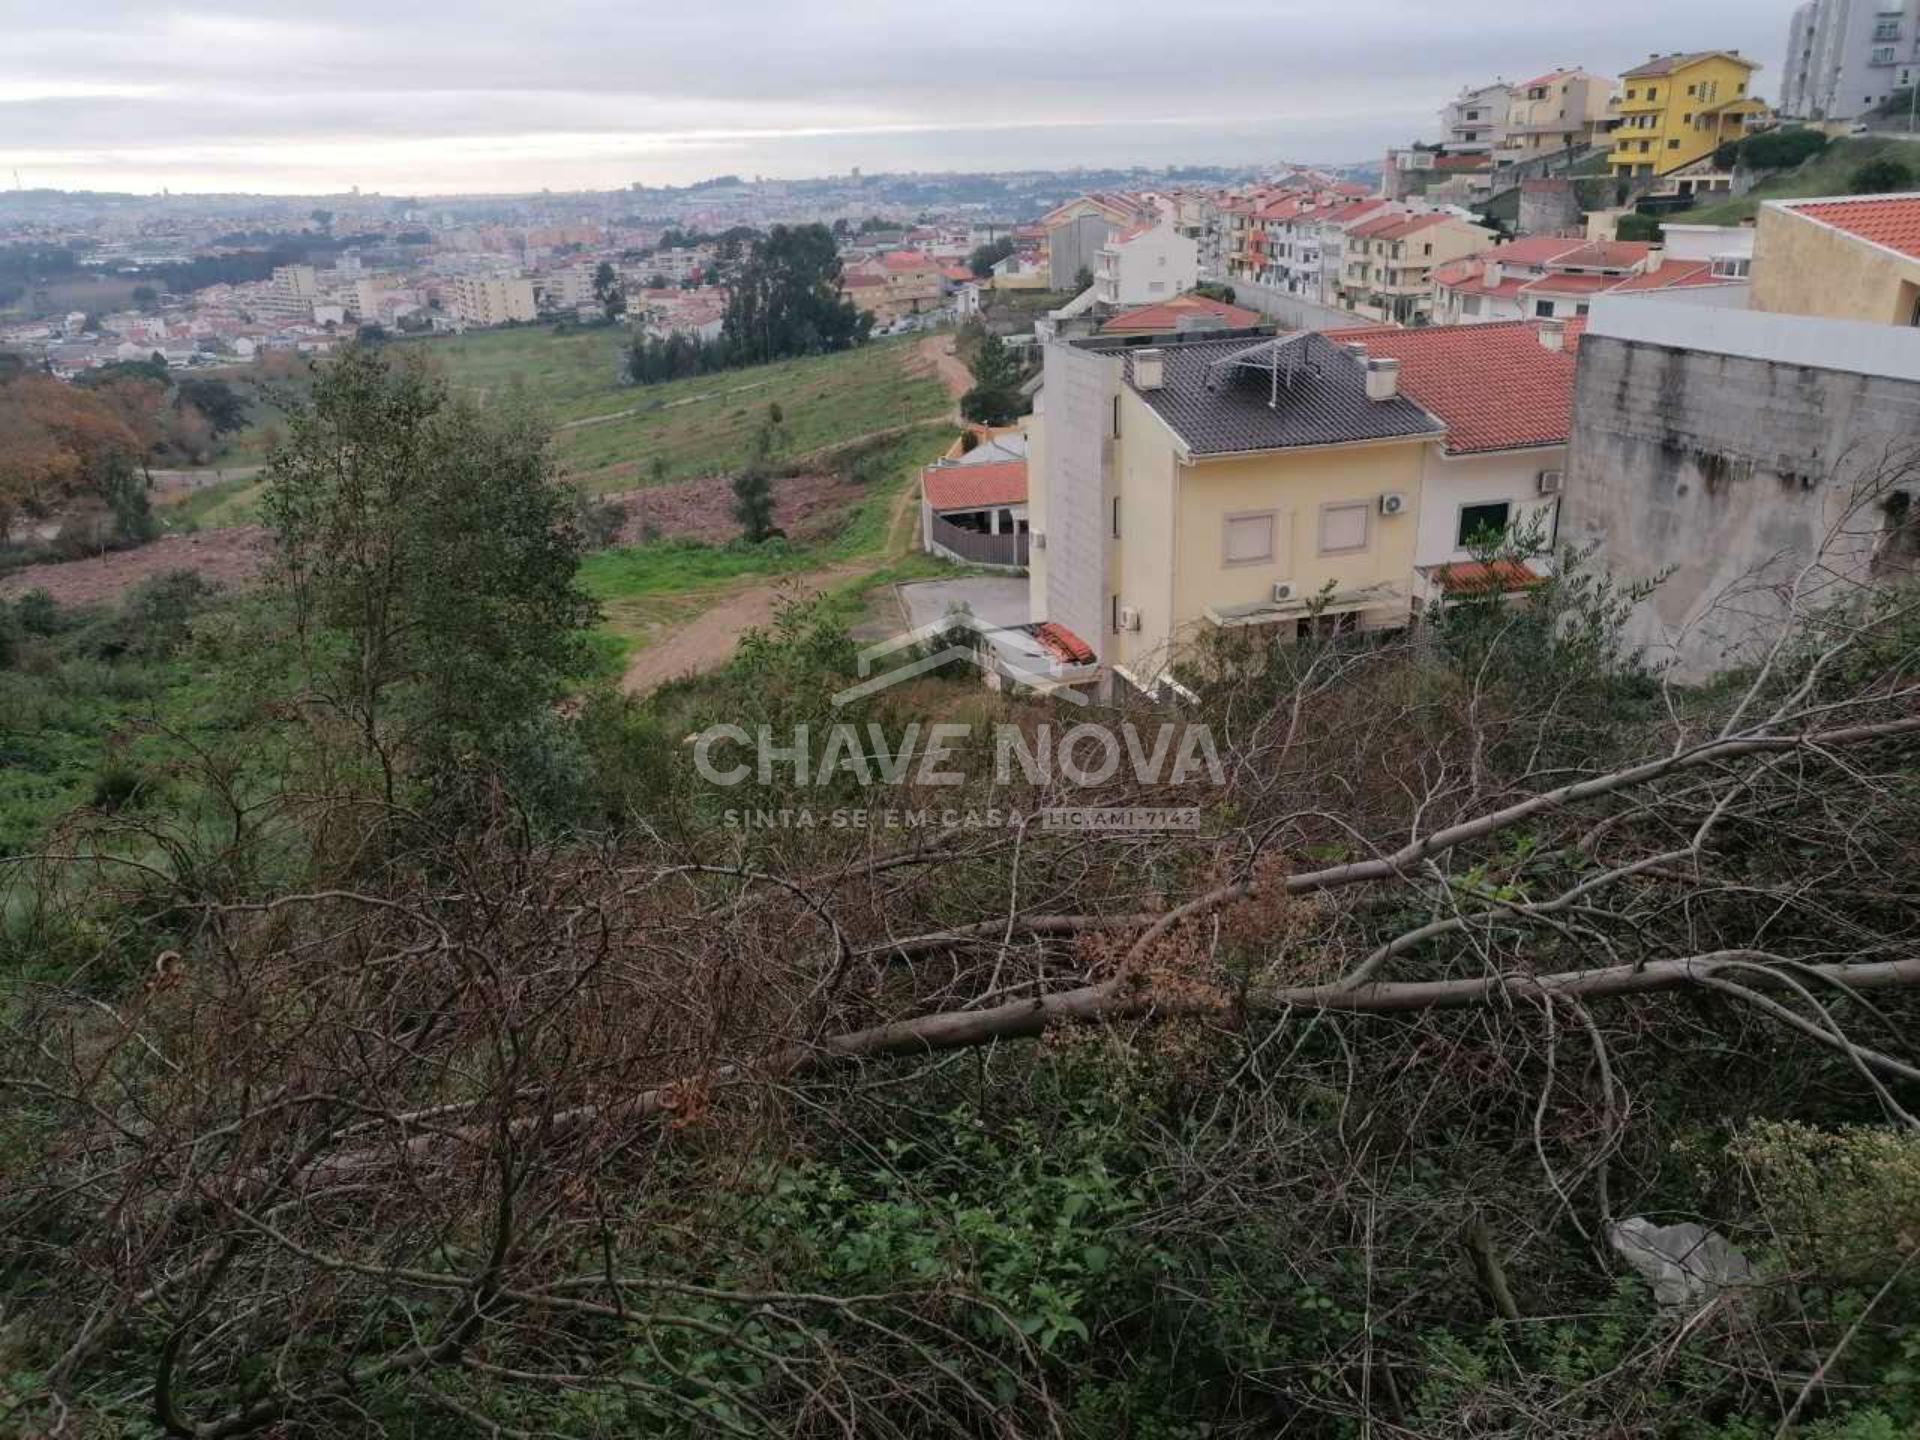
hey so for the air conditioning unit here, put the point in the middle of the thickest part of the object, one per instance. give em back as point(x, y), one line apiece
point(1283, 592)
point(1393, 503)
point(1129, 618)
point(1039, 540)
point(1551, 480)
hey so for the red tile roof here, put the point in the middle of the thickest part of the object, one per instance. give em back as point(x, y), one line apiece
point(1496, 386)
point(1672, 275)
point(1890, 221)
point(1463, 162)
point(1155, 319)
point(1063, 643)
point(1606, 255)
point(976, 487)
point(1534, 250)
point(1397, 227)
point(1477, 577)
point(906, 260)
point(1558, 284)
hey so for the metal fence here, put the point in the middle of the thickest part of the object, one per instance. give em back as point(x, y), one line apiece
point(1007, 551)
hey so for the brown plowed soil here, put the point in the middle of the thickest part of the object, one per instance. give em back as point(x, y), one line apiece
point(805, 506)
point(232, 557)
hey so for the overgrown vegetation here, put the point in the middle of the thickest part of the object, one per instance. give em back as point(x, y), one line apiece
point(429, 1045)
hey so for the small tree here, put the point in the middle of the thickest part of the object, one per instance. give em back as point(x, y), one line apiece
point(753, 503)
point(1638, 227)
point(985, 257)
point(1082, 279)
point(606, 290)
point(995, 397)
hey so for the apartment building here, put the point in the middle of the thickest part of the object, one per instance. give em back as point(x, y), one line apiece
point(897, 283)
point(1845, 57)
point(1146, 264)
point(290, 293)
point(1296, 244)
point(1203, 482)
point(483, 300)
point(1476, 119)
point(1847, 258)
point(1562, 110)
point(1388, 263)
point(1678, 109)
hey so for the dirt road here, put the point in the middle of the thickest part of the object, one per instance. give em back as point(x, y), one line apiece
point(708, 642)
point(938, 351)
point(231, 557)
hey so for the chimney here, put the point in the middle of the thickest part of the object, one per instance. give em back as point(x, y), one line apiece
point(1357, 350)
point(1553, 335)
point(1149, 369)
point(1491, 275)
point(1655, 259)
point(1383, 380)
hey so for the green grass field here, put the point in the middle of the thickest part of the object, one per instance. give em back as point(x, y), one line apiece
point(1829, 173)
point(611, 432)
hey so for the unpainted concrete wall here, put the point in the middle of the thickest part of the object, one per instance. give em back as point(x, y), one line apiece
point(1735, 475)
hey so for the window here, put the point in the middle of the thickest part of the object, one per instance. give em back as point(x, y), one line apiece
point(1673, 144)
point(1583, 309)
point(1113, 613)
point(1343, 528)
point(1543, 309)
point(1633, 94)
point(1248, 539)
point(1653, 92)
point(1480, 523)
point(1116, 517)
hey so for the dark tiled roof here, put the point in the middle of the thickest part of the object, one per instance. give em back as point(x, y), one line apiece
point(1223, 410)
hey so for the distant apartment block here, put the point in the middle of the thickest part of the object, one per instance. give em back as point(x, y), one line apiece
point(1845, 57)
point(1389, 263)
point(1148, 263)
point(290, 293)
point(1477, 119)
point(481, 301)
point(1678, 109)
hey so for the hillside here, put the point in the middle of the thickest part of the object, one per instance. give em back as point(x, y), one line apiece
point(1829, 173)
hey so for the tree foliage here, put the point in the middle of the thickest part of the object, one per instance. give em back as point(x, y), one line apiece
point(985, 257)
point(995, 398)
point(426, 557)
point(785, 299)
point(1881, 177)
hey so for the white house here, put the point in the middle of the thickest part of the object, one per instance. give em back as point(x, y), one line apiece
point(1147, 263)
point(1500, 467)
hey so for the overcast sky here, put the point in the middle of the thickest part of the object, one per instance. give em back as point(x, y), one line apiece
point(436, 96)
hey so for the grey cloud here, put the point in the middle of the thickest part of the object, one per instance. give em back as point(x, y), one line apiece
point(357, 76)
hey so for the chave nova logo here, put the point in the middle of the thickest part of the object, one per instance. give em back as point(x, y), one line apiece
point(961, 636)
point(1089, 756)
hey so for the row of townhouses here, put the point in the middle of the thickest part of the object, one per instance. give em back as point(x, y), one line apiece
point(1190, 469)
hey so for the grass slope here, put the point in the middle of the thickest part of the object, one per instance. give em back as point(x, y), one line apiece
point(1828, 173)
point(611, 432)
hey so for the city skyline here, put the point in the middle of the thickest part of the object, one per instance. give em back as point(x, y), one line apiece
point(476, 100)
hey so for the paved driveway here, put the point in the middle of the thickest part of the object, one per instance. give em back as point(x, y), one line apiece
point(996, 599)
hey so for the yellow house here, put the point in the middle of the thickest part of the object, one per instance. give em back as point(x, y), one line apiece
point(1848, 258)
point(1680, 108)
point(1191, 484)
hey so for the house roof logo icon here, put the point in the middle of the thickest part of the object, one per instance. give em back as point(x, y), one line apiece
point(960, 637)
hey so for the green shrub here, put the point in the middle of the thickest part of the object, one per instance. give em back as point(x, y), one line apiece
point(1881, 177)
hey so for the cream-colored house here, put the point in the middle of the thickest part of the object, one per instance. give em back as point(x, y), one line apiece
point(1183, 484)
point(1388, 266)
point(1850, 258)
point(1555, 112)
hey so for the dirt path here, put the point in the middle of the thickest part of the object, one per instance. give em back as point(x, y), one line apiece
point(937, 350)
point(708, 642)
